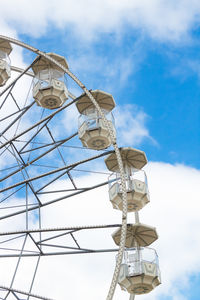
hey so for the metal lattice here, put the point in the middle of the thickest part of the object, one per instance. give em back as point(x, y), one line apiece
point(32, 161)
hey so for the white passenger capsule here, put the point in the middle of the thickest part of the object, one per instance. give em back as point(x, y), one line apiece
point(135, 179)
point(5, 72)
point(139, 271)
point(49, 90)
point(92, 130)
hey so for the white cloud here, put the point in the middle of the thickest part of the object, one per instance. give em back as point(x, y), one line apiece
point(70, 120)
point(131, 125)
point(161, 20)
point(173, 210)
point(113, 71)
point(187, 67)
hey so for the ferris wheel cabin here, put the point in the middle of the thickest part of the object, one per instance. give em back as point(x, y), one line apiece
point(136, 180)
point(139, 271)
point(49, 90)
point(5, 72)
point(92, 130)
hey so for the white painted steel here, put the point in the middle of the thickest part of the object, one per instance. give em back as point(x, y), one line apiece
point(114, 143)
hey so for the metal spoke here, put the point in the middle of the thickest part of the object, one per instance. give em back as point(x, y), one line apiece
point(60, 229)
point(23, 293)
point(37, 158)
point(53, 171)
point(38, 123)
point(53, 201)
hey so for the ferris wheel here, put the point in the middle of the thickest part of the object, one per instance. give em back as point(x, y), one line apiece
point(42, 163)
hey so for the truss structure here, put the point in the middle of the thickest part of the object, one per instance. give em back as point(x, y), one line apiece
point(36, 154)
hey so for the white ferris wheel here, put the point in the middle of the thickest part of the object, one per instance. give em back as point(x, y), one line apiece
point(41, 164)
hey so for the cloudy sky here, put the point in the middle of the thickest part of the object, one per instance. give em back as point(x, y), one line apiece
point(146, 53)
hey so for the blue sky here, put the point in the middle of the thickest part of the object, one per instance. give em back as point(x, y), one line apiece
point(160, 78)
point(147, 55)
